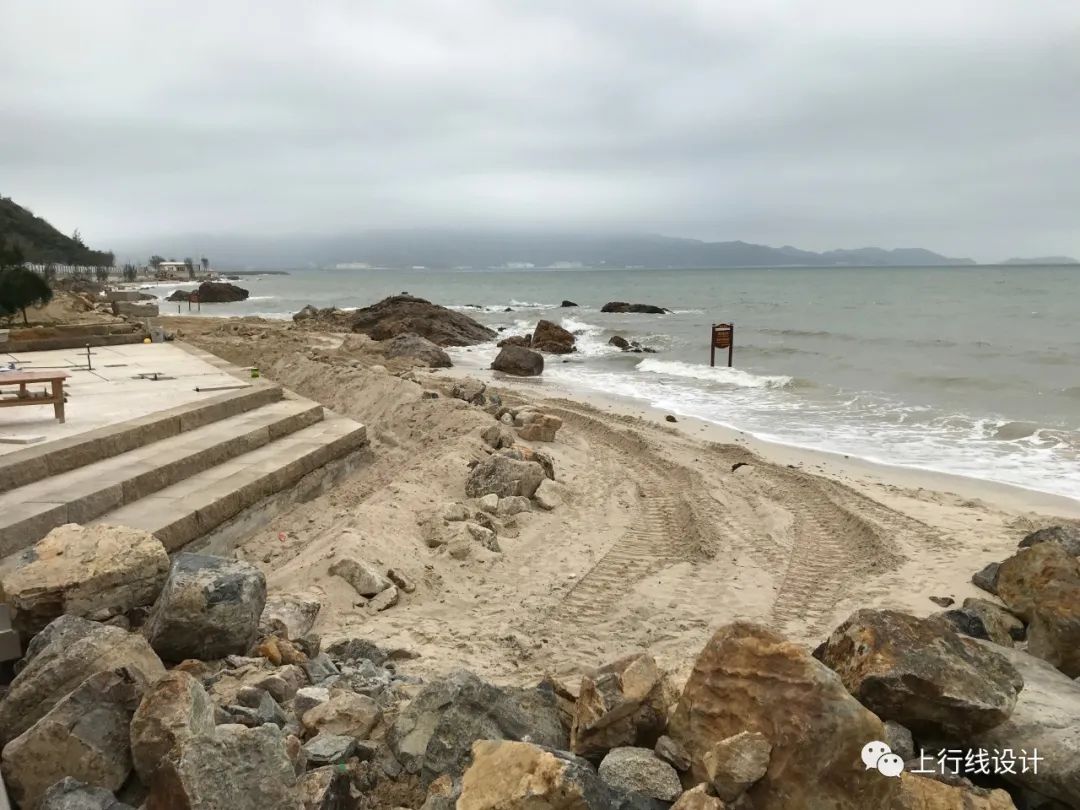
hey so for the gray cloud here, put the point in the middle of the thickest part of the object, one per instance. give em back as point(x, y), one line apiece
point(950, 125)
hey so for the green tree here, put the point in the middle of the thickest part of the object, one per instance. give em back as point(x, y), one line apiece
point(130, 272)
point(101, 274)
point(19, 286)
point(76, 237)
point(189, 263)
point(205, 262)
point(155, 261)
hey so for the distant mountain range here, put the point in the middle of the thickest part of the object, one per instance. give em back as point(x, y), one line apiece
point(1043, 261)
point(438, 249)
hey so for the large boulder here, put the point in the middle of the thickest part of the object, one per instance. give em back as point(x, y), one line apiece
point(1046, 719)
point(638, 770)
point(919, 793)
point(84, 736)
point(748, 678)
point(89, 571)
point(552, 338)
point(1068, 537)
point(234, 767)
point(622, 306)
point(1054, 632)
point(173, 709)
point(401, 314)
point(921, 674)
point(289, 615)
point(209, 608)
point(71, 794)
point(73, 649)
point(1025, 576)
point(620, 704)
point(419, 350)
point(434, 733)
point(518, 361)
point(521, 776)
point(218, 292)
point(504, 476)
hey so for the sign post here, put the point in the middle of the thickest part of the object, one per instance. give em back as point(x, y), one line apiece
point(723, 337)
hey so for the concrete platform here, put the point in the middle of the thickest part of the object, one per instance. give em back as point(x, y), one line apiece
point(203, 460)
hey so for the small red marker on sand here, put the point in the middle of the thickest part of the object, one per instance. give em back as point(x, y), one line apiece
point(281, 536)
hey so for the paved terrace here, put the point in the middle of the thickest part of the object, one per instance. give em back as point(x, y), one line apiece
point(118, 388)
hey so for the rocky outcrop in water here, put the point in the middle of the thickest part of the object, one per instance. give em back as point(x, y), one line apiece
point(212, 292)
point(518, 361)
point(401, 314)
point(552, 338)
point(622, 306)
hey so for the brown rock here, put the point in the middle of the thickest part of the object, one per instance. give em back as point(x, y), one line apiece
point(672, 753)
point(289, 615)
point(74, 650)
point(173, 709)
point(1068, 537)
point(1002, 627)
point(1026, 574)
point(552, 338)
point(365, 578)
point(734, 764)
point(401, 314)
point(87, 571)
point(503, 476)
point(541, 429)
point(698, 798)
point(920, 793)
point(84, 736)
point(325, 789)
point(1054, 632)
point(345, 713)
point(518, 361)
point(417, 350)
point(621, 704)
point(920, 674)
point(748, 678)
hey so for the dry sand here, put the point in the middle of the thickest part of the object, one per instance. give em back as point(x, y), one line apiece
point(665, 531)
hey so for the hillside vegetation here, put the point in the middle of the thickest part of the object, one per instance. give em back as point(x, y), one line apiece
point(40, 242)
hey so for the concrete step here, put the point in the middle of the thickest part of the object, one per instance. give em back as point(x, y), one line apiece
point(22, 467)
point(186, 511)
point(29, 512)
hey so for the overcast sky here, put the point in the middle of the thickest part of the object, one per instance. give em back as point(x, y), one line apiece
point(947, 124)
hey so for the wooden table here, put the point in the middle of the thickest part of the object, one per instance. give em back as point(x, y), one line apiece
point(24, 397)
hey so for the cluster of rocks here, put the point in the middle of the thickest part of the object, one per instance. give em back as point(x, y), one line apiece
point(211, 292)
point(520, 354)
point(629, 345)
point(180, 684)
point(622, 306)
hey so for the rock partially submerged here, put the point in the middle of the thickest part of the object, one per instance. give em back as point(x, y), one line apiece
point(622, 306)
point(552, 338)
point(212, 292)
point(401, 314)
point(518, 361)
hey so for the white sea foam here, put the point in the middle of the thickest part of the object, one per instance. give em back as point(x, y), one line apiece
point(720, 374)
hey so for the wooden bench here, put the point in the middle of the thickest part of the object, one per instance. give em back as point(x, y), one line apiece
point(24, 397)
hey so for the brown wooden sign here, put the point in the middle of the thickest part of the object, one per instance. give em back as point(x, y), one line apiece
point(723, 337)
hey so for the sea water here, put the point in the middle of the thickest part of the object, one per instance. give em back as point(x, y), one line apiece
point(974, 371)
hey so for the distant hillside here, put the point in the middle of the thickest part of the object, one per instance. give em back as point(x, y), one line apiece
point(41, 243)
point(1043, 260)
point(447, 249)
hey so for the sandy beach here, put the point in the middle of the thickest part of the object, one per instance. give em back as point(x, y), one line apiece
point(664, 531)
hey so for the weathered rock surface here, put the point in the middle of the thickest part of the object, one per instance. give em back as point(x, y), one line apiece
point(515, 340)
point(325, 788)
point(505, 477)
point(620, 705)
point(344, 713)
point(234, 767)
point(622, 306)
point(434, 733)
point(84, 736)
point(89, 571)
point(498, 436)
point(698, 798)
point(541, 429)
point(365, 578)
point(748, 678)
point(401, 314)
point(209, 608)
point(1026, 575)
point(214, 292)
point(418, 349)
point(290, 615)
point(329, 749)
point(921, 793)
point(1001, 626)
point(673, 753)
point(518, 361)
point(1046, 719)
point(173, 709)
point(552, 338)
point(638, 770)
point(514, 505)
point(520, 776)
point(71, 794)
point(735, 764)
point(619, 342)
point(987, 578)
point(1054, 632)
point(1068, 537)
point(920, 674)
point(74, 649)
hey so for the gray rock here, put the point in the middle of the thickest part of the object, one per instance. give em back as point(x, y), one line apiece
point(987, 578)
point(469, 390)
point(736, 763)
point(84, 736)
point(355, 650)
point(1001, 626)
point(638, 770)
point(434, 733)
point(418, 349)
point(385, 599)
point(173, 708)
point(489, 503)
point(329, 749)
point(673, 753)
point(290, 615)
point(1046, 719)
point(484, 536)
point(255, 707)
point(1066, 536)
point(504, 477)
point(320, 668)
point(234, 767)
point(498, 436)
point(73, 651)
point(308, 698)
point(365, 578)
point(519, 362)
point(899, 740)
point(515, 504)
point(71, 794)
point(209, 608)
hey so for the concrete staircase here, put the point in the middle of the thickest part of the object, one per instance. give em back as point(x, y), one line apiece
point(181, 474)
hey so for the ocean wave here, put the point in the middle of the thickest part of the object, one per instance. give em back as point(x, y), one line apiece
point(720, 374)
point(798, 333)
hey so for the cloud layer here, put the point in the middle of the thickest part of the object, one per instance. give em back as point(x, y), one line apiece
point(950, 125)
